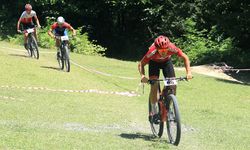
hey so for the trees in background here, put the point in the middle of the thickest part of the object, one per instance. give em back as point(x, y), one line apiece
point(207, 30)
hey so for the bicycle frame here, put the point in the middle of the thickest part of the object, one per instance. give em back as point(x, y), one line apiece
point(30, 31)
point(168, 111)
point(31, 41)
point(64, 40)
point(64, 50)
point(164, 110)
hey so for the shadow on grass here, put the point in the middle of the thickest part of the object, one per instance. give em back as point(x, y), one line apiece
point(19, 55)
point(146, 137)
point(52, 68)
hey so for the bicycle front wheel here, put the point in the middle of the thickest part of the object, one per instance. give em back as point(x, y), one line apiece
point(173, 120)
point(67, 65)
point(66, 58)
point(34, 47)
point(29, 47)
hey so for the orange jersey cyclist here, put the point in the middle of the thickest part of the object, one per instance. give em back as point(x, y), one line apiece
point(158, 58)
point(27, 21)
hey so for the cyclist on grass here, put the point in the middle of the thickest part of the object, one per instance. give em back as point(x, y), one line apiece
point(60, 28)
point(159, 57)
point(27, 21)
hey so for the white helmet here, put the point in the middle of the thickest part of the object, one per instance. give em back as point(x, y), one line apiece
point(60, 20)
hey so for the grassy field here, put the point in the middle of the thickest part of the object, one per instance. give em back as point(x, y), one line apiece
point(38, 110)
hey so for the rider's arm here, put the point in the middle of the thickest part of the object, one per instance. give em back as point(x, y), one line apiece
point(187, 65)
point(141, 68)
point(179, 52)
point(145, 60)
point(18, 25)
point(50, 33)
point(73, 30)
point(37, 21)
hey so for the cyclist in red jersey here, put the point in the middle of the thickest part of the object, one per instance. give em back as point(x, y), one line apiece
point(159, 57)
point(27, 20)
point(60, 28)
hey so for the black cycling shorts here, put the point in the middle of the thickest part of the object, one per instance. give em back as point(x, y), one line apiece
point(28, 25)
point(167, 69)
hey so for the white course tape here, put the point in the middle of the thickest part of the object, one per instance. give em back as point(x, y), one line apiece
point(81, 66)
point(126, 93)
point(102, 73)
point(9, 98)
point(20, 50)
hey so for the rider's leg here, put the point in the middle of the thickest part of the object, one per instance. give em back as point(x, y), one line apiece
point(154, 73)
point(58, 48)
point(168, 72)
point(35, 33)
point(57, 43)
point(153, 97)
point(26, 41)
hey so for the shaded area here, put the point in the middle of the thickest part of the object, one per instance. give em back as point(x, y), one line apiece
point(19, 55)
point(233, 82)
point(230, 73)
point(52, 68)
point(242, 78)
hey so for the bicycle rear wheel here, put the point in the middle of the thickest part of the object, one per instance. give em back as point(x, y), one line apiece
point(156, 128)
point(30, 50)
point(173, 120)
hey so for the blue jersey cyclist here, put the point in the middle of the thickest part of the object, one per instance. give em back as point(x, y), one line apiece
point(60, 28)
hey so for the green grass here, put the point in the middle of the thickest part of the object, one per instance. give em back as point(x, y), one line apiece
point(214, 113)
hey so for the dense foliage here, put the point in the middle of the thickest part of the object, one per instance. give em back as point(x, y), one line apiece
point(79, 44)
point(207, 30)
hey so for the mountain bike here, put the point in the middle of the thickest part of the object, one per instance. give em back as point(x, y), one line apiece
point(168, 111)
point(32, 46)
point(63, 57)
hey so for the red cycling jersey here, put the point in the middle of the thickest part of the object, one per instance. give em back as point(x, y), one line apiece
point(153, 54)
point(64, 25)
point(27, 18)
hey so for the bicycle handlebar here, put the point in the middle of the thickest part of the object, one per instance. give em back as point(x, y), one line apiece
point(24, 31)
point(174, 78)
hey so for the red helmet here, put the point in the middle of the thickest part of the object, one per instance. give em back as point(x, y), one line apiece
point(28, 7)
point(161, 42)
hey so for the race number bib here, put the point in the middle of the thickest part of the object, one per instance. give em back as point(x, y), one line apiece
point(169, 82)
point(64, 38)
point(30, 30)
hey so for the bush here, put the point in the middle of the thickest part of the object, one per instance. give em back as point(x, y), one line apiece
point(203, 46)
point(79, 44)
